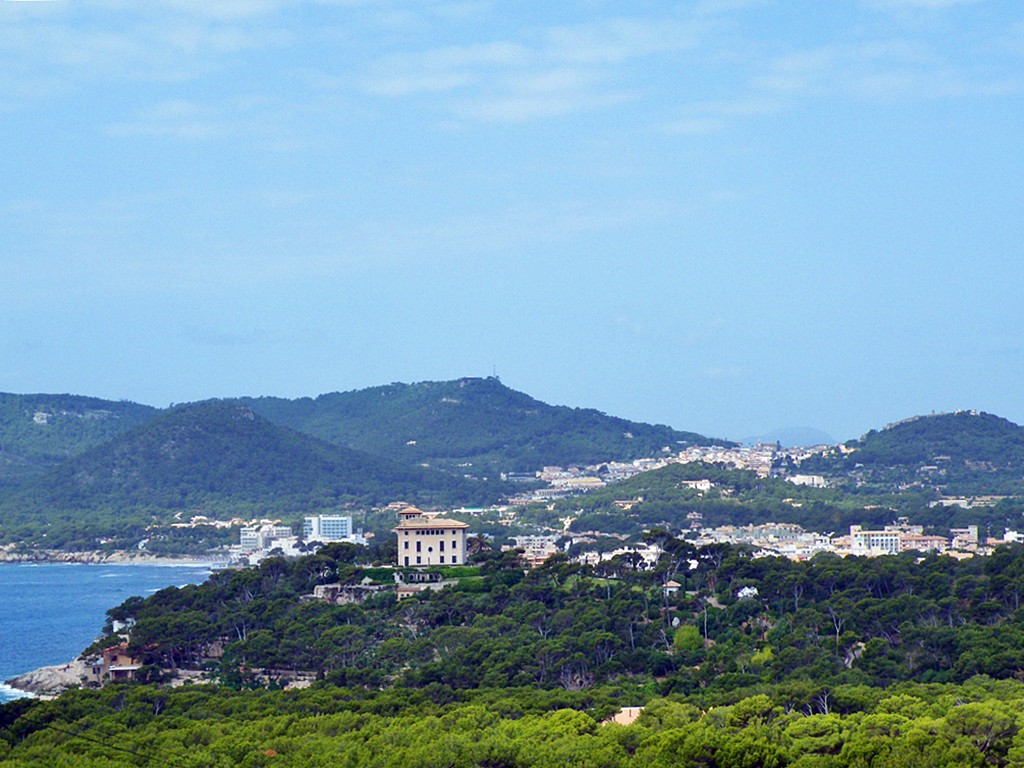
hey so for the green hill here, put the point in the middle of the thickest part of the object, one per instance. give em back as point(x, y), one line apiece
point(219, 457)
point(478, 425)
point(471, 426)
point(967, 452)
point(39, 431)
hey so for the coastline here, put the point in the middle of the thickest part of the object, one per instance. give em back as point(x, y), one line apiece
point(48, 682)
point(55, 601)
point(117, 557)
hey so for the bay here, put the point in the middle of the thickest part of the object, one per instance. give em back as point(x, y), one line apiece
point(49, 613)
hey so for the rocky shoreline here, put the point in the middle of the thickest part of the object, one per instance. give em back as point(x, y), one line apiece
point(47, 682)
point(117, 557)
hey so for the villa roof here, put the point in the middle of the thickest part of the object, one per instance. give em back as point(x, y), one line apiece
point(429, 522)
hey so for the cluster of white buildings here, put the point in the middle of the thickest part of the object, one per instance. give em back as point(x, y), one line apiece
point(260, 539)
point(902, 537)
point(536, 549)
point(770, 540)
point(790, 540)
point(561, 482)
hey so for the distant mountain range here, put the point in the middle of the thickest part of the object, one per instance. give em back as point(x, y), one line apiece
point(71, 457)
point(474, 426)
point(68, 457)
point(220, 455)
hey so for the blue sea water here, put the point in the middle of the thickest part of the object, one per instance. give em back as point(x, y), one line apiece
point(50, 612)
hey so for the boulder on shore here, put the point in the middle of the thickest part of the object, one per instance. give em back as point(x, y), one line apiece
point(49, 681)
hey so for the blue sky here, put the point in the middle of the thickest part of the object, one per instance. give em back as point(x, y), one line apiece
point(726, 216)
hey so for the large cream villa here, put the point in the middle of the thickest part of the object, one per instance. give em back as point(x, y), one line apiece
point(425, 539)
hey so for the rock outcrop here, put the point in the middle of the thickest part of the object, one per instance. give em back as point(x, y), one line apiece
point(50, 681)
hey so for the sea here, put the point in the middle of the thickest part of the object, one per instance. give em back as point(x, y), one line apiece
point(49, 613)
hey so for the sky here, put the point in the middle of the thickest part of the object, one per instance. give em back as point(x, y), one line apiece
point(728, 216)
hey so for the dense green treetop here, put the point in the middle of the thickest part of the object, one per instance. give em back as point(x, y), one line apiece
point(978, 723)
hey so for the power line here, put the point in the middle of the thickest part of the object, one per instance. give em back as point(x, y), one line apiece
point(135, 753)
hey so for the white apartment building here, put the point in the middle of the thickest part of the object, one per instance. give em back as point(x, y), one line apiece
point(893, 539)
point(327, 528)
point(254, 538)
point(536, 549)
point(871, 543)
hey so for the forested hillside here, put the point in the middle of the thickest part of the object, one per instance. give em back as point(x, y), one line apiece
point(218, 458)
point(479, 425)
point(39, 431)
point(963, 453)
point(661, 498)
point(896, 661)
point(473, 426)
point(735, 623)
point(977, 723)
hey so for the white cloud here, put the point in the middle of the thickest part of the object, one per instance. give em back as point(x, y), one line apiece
point(263, 123)
point(220, 10)
point(115, 40)
point(444, 69)
point(881, 70)
point(555, 71)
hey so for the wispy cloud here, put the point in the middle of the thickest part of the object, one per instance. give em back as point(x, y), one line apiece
point(930, 5)
point(555, 71)
point(220, 10)
point(162, 41)
point(895, 69)
point(880, 70)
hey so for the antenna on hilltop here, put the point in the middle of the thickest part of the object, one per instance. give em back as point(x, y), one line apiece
point(494, 372)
